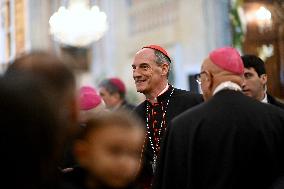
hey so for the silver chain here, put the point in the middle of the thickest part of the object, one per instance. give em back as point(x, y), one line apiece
point(164, 110)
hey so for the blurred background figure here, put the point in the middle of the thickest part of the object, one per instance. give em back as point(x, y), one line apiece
point(57, 75)
point(255, 83)
point(32, 133)
point(113, 92)
point(91, 104)
point(108, 152)
point(62, 85)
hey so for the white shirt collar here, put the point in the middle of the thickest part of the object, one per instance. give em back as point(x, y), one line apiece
point(264, 100)
point(227, 85)
point(164, 90)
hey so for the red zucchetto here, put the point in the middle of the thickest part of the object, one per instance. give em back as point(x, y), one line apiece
point(158, 48)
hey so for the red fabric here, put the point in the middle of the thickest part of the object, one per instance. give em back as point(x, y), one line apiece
point(119, 84)
point(227, 58)
point(159, 48)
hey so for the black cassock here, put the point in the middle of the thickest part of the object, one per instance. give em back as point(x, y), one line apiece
point(229, 142)
point(179, 101)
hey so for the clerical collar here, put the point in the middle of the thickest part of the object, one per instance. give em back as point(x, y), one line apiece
point(264, 100)
point(164, 92)
point(227, 85)
point(165, 89)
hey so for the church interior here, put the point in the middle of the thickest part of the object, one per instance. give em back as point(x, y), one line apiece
point(105, 35)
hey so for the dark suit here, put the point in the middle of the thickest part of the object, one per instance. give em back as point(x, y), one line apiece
point(77, 179)
point(180, 101)
point(272, 100)
point(229, 142)
point(127, 106)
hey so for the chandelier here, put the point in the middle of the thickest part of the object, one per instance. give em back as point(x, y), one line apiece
point(78, 25)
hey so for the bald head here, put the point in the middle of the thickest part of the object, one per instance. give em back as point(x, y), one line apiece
point(221, 65)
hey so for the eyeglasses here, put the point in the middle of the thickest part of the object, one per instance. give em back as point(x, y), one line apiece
point(198, 77)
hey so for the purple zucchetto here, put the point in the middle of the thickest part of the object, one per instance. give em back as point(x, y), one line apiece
point(227, 58)
point(89, 98)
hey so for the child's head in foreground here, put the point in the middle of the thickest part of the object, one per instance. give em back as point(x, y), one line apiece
point(110, 148)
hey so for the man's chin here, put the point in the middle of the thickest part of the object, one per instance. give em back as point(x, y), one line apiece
point(140, 89)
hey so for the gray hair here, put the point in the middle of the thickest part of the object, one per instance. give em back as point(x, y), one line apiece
point(161, 58)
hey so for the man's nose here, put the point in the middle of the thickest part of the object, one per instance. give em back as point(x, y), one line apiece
point(243, 84)
point(136, 73)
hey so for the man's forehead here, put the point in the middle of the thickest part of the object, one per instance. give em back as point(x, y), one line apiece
point(145, 53)
point(144, 57)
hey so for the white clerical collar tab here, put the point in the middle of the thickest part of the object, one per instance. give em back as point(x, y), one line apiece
point(164, 90)
point(227, 85)
point(265, 100)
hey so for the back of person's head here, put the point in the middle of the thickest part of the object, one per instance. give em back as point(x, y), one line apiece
point(252, 61)
point(59, 78)
point(114, 85)
point(91, 104)
point(222, 64)
point(45, 65)
point(109, 149)
point(227, 59)
point(31, 133)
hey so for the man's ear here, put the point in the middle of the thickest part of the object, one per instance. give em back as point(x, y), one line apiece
point(165, 68)
point(208, 83)
point(263, 79)
point(209, 77)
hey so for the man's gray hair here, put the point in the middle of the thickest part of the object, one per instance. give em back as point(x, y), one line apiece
point(161, 58)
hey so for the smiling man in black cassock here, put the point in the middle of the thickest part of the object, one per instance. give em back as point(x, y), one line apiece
point(151, 67)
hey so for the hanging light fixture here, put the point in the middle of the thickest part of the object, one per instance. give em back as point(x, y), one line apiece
point(78, 25)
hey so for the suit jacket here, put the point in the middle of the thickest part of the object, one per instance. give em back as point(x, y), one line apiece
point(272, 100)
point(126, 105)
point(180, 101)
point(228, 142)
